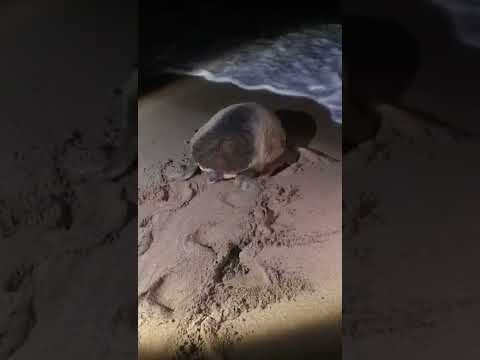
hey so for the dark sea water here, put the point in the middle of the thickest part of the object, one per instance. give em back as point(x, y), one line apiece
point(306, 62)
point(465, 15)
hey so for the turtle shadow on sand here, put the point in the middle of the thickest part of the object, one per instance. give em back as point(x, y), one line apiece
point(300, 129)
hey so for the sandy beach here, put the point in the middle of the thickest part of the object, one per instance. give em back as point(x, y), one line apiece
point(230, 273)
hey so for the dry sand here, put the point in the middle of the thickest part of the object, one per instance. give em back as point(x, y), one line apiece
point(231, 273)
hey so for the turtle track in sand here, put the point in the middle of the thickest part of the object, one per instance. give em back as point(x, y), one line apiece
point(189, 230)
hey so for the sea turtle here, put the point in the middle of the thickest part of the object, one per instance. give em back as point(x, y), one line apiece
point(242, 140)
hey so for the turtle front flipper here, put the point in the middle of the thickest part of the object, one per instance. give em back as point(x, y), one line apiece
point(191, 170)
point(174, 174)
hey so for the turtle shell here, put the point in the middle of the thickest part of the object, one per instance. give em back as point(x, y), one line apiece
point(227, 142)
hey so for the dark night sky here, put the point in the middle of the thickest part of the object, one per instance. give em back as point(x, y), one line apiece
point(175, 33)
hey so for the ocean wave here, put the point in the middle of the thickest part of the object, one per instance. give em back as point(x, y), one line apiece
point(305, 63)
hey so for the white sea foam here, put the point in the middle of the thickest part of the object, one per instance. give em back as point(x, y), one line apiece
point(334, 106)
point(306, 63)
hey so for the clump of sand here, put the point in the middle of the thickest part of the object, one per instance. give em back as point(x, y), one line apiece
point(204, 249)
